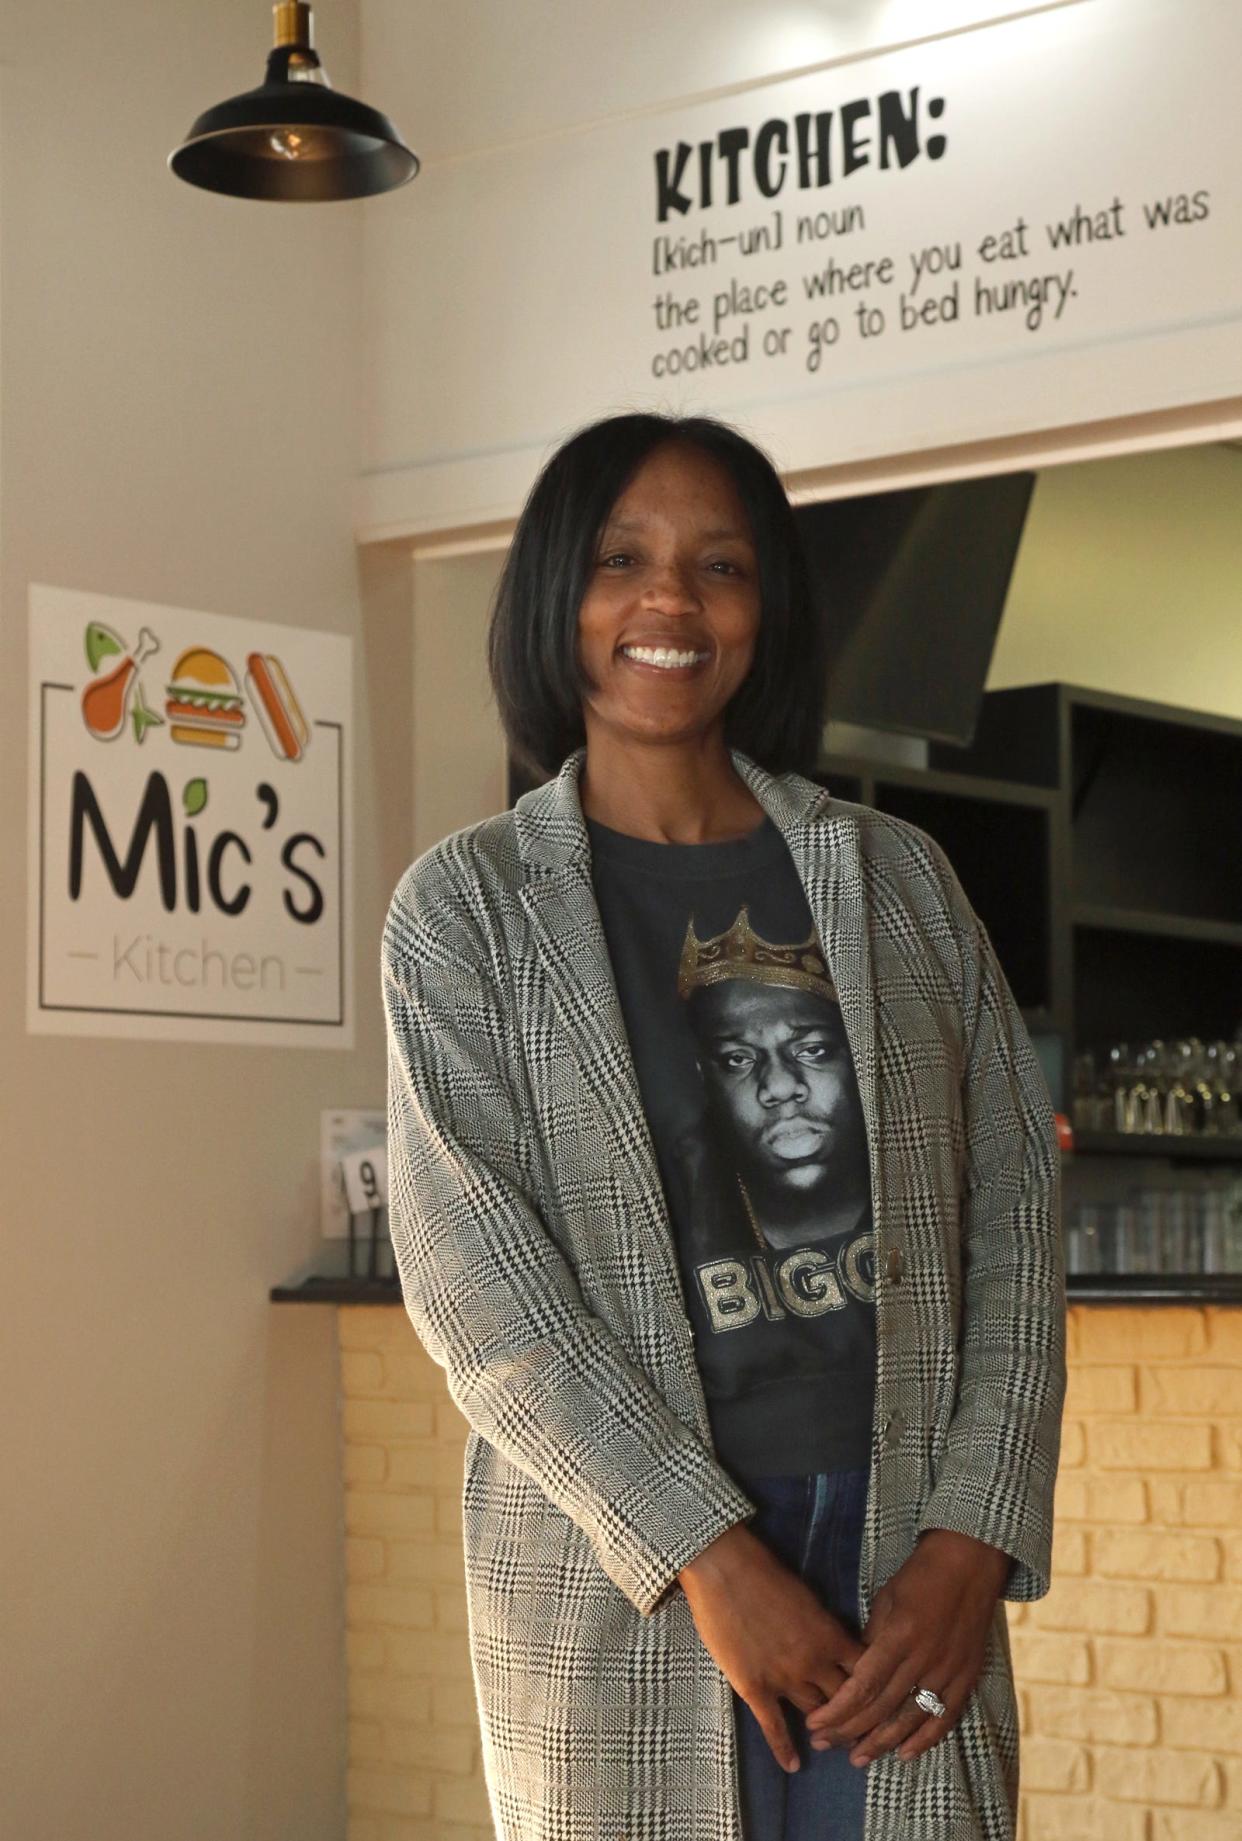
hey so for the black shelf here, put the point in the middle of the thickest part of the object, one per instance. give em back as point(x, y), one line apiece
point(1157, 1144)
point(1103, 919)
point(859, 770)
point(1154, 794)
point(999, 836)
point(338, 1291)
point(1171, 1288)
point(1145, 858)
point(1100, 1288)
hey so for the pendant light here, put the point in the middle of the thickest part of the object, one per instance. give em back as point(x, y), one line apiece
point(294, 138)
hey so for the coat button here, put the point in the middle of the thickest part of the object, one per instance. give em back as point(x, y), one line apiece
point(894, 1426)
point(894, 1265)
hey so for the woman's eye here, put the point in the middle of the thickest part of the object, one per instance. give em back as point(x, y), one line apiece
point(622, 557)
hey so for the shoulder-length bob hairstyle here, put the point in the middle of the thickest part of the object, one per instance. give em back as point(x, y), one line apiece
point(776, 716)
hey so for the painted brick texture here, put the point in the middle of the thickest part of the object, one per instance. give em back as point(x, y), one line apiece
point(1129, 1672)
point(414, 1767)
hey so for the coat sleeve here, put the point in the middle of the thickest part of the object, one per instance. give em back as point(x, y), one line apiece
point(493, 1300)
point(996, 1475)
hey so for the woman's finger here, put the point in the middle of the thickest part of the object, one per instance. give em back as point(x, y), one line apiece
point(891, 1728)
point(890, 1733)
point(775, 1728)
point(807, 1695)
point(873, 1693)
point(933, 1727)
point(871, 1670)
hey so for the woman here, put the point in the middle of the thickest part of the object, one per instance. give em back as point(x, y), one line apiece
point(725, 1188)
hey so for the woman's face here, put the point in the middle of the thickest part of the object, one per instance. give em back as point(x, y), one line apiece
point(675, 569)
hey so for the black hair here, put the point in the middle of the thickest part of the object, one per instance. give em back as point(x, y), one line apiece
point(777, 713)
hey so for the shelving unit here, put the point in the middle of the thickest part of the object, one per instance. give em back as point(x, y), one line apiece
point(1143, 941)
point(999, 836)
point(1099, 838)
point(1191, 1149)
point(1144, 866)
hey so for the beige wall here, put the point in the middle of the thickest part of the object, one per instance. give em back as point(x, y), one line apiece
point(460, 763)
point(1129, 579)
point(177, 423)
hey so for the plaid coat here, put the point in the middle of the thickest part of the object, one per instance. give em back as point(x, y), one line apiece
point(538, 1267)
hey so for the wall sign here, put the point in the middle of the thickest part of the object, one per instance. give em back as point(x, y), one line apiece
point(1033, 224)
point(188, 831)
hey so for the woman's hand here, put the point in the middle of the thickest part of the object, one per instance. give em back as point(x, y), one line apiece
point(768, 1631)
point(928, 1629)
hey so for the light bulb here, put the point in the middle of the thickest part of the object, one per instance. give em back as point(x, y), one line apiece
point(288, 143)
point(299, 143)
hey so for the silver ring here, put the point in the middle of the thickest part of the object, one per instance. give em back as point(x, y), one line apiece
point(929, 1702)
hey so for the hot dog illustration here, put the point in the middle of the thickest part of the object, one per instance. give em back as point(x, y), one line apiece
point(204, 706)
point(280, 713)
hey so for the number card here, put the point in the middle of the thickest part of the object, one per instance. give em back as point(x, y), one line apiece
point(365, 1175)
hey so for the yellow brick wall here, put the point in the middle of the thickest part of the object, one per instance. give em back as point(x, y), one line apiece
point(1129, 1672)
point(414, 1767)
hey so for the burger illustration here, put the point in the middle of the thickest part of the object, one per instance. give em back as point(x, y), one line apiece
point(204, 706)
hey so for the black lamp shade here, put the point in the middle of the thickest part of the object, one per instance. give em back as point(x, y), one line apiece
point(344, 148)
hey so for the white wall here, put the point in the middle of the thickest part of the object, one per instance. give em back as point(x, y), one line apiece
point(481, 74)
point(178, 423)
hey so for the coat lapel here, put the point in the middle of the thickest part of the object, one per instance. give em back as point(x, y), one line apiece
point(559, 897)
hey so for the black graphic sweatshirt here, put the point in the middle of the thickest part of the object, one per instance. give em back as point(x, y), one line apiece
point(748, 1085)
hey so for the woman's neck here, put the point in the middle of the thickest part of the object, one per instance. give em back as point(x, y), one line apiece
point(672, 793)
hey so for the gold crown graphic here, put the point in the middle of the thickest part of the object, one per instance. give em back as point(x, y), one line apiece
point(740, 952)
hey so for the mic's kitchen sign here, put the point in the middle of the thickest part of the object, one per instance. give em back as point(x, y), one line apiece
point(189, 843)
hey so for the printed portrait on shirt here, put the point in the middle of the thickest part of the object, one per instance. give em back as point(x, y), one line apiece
point(777, 1158)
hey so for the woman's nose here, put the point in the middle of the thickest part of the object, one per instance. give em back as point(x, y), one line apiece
point(672, 586)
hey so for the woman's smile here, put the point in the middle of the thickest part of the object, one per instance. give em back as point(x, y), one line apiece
point(665, 661)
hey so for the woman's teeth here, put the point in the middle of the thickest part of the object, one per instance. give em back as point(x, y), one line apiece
point(662, 655)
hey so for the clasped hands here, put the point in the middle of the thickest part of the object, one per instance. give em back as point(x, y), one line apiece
point(774, 1640)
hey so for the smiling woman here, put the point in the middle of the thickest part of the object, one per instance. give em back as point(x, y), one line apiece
point(689, 1062)
point(625, 522)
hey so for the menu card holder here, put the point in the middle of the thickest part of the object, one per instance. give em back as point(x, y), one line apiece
point(365, 1176)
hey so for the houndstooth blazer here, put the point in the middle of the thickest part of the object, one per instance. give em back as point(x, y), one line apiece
point(538, 1268)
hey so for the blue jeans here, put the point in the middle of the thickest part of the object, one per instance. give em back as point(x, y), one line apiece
point(814, 1525)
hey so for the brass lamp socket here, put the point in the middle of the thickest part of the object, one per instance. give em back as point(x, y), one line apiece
point(292, 20)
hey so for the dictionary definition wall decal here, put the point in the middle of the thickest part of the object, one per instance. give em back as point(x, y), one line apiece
point(1032, 225)
point(188, 827)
